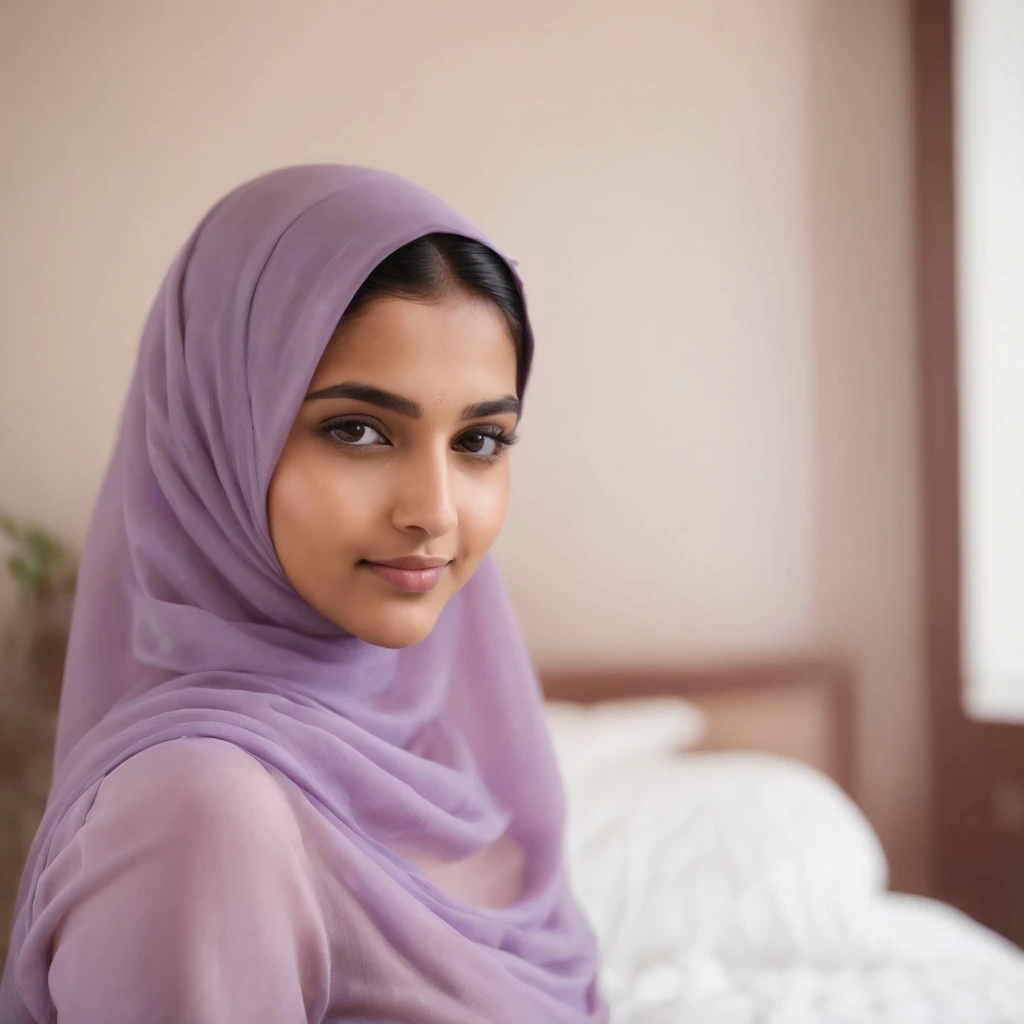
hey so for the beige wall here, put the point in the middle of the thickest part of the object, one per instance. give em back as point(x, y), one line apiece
point(710, 201)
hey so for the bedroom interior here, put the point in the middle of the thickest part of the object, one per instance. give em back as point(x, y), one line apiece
point(752, 640)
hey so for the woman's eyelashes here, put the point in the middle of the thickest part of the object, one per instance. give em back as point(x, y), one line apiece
point(487, 442)
point(354, 432)
point(359, 434)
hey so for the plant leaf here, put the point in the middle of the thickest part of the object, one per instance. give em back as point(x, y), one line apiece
point(9, 527)
point(20, 570)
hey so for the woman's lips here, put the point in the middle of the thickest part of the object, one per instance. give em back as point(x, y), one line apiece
point(415, 580)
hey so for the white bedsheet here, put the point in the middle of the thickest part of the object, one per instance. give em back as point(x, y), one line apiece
point(743, 888)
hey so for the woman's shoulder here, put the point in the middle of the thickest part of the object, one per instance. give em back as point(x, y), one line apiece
point(186, 894)
point(195, 790)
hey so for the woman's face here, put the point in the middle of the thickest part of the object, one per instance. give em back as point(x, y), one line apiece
point(393, 482)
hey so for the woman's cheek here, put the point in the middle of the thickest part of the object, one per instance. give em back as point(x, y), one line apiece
point(484, 511)
point(303, 503)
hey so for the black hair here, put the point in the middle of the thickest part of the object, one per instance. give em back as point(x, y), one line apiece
point(434, 264)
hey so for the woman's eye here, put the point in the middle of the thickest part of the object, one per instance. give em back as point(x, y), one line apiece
point(483, 445)
point(358, 435)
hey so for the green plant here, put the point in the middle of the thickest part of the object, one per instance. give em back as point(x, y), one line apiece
point(40, 565)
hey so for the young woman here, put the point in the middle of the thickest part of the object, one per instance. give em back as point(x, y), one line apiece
point(302, 771)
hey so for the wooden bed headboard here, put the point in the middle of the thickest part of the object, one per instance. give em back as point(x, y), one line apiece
point(801, 707)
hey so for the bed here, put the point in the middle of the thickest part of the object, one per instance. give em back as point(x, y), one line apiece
point(714, 840)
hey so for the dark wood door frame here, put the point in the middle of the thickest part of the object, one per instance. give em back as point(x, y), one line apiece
point(977, 768)
point(937, 355)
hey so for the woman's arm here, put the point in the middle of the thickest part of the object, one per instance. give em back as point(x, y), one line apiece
point(189, 898)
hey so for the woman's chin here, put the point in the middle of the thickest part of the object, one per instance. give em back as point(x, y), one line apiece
point(395, 626)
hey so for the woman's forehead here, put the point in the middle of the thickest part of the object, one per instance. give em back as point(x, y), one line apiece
point(462, 337)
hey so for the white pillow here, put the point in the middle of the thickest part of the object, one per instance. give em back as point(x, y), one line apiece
point(587, 735)
point(749, 856)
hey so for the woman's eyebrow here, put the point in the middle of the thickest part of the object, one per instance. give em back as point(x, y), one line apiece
point(405, 407)
point(495, 407)
point(372, 396)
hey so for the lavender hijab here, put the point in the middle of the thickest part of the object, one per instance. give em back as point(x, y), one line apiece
point(186, 626)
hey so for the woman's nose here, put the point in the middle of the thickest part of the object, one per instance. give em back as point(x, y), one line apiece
point(424, 501)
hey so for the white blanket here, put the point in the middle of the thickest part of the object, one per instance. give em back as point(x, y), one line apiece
point(743, 888)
